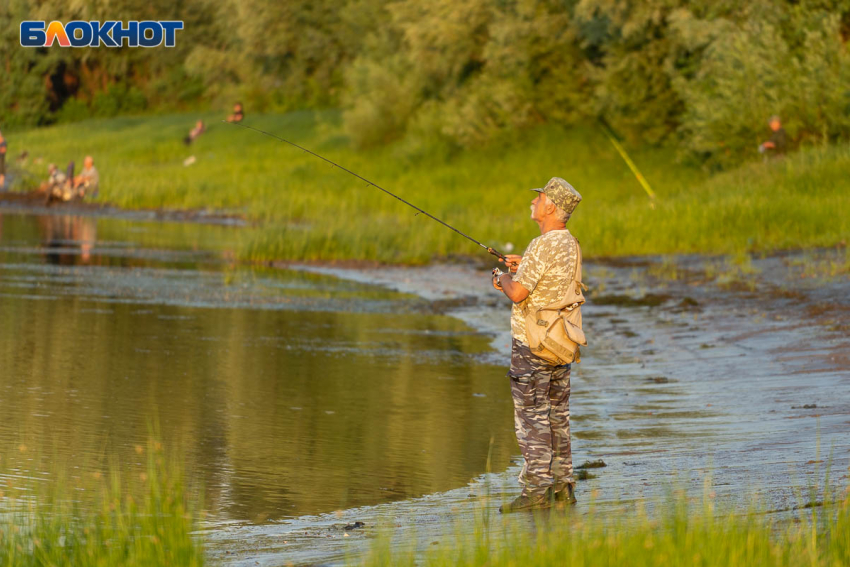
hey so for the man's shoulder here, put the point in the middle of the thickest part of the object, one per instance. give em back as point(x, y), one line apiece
point(556, 239)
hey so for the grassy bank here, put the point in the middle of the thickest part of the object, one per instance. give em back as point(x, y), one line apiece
point(676, 535)
point(84, 516)
point(311, 211)
point(144, 516)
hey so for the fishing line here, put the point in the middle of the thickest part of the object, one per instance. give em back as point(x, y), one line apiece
point(489, 249)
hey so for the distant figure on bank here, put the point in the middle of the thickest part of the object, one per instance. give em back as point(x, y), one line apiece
point(195, 132)
point(2, 162)
point(777, 143)
point(238, 114)
point(55, 178)
point(87, 182)
point(58, 187)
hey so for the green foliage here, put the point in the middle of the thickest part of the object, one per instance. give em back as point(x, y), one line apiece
point(743, 80)
point(703, 74)
point(381, 100)
point(74, 110)
point(465, 72)
point(751, 70)
point(22, 96)
point(632, 55)
point(676, 534)
point(95, 518)
point(118, 99)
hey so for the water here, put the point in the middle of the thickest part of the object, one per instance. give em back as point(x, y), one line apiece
point(295, 395)
point(287, 393)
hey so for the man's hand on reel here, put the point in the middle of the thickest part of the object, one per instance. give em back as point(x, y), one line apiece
point(511, 261)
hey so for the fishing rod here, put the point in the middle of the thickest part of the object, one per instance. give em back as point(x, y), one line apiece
point(489, 249)
point(622, 151)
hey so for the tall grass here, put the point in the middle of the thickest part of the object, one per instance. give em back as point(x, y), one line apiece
point(95, 518)
point(308, 210)
point(677, 535)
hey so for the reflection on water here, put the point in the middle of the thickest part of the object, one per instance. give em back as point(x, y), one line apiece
point(61, 233)
point(289, 393)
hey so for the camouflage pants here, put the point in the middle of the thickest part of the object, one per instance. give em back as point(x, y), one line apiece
point(541, 395)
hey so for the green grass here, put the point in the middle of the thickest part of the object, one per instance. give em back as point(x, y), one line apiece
point(308, 210)
point(92, 518)
point(145, 516)
point(676, 535)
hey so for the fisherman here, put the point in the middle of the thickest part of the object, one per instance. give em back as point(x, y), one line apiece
point(195, 132)
point(540, 389)
point(88, 180)
point(238, 114)
point(778, 140)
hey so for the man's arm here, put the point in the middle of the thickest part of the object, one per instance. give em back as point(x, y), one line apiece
point(509, 287)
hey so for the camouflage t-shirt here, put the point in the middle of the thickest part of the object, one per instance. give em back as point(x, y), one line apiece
point(546, 271)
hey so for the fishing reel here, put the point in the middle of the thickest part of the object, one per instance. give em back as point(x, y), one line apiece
point(497, 273)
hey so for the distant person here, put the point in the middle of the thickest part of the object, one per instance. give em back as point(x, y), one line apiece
point(238, 114)
point(59, 186)
point(88, 181)
point(2, 162)
point(55, 178)
point(195, 132)
point(777, 143)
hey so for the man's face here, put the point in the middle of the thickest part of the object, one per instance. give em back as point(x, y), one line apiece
point(775, 125)
point(88, 162)
point(538, 207)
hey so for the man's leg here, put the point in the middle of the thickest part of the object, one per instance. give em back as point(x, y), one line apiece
point(530, 393)
point(559, 420)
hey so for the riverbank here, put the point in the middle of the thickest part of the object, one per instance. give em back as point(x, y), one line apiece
point(695, 374)
point(307, 210)
point(33, 202)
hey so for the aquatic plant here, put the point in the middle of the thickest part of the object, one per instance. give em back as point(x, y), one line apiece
point(816, 533)
point(96, 518)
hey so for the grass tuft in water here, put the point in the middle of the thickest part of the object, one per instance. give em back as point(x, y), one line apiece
point(814, 534)
point(91, 518)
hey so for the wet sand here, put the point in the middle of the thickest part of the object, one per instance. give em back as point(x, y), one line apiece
point(691, 376)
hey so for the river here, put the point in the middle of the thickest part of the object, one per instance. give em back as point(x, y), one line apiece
point(308, 398)
point(286, 393)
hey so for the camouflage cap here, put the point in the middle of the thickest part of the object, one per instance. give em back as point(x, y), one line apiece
point(562, 194)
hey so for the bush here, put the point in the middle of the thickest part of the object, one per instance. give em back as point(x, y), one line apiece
point(753, 70)
point(381, 99)
point(73, 110)
point(118, 99)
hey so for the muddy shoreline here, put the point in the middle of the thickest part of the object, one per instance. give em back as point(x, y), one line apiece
point(736, 381)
